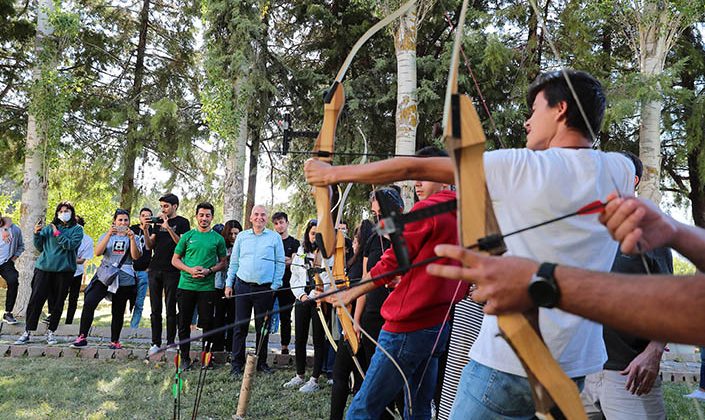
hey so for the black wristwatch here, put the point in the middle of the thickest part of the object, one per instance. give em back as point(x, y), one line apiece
point(543, 288)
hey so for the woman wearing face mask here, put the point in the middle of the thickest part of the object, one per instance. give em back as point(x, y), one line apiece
point(57, 244)
point(118, 245)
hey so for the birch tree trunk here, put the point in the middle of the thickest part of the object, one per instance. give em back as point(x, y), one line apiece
point(234, 183)
point(658, 25)
point(35, 184)
point(407, 114)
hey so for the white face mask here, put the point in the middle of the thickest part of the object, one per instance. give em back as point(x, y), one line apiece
point(65, 217)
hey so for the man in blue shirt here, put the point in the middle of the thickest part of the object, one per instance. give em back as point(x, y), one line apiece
point(253, 269)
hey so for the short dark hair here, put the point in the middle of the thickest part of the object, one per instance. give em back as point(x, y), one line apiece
point(170, 198)
point(206, 206)
point(146, 209)
point(119, 212)
point(80, 221)
point(280, 215)
point(431, 151)
point(555, 89)
point(638, 166)
point(390, 193)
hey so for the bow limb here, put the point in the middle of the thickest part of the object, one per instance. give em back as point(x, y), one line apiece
point(553, 392)
point(334, 102)
point(320, 287)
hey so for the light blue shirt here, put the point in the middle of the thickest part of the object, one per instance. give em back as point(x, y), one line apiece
point(253, 258)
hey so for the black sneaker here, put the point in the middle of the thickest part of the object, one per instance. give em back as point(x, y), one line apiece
point(264, 368)
point(236, 371)
point(9, 319)
point(185, 364)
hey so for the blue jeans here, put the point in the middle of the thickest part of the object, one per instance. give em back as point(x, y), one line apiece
point(383, 381)
point(486, 393)
point(142, 286)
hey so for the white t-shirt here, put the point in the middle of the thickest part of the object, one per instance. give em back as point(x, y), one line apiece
point(529, 187)
point(85, 251)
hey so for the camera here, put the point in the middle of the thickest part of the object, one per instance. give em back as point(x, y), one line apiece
point(156, 219)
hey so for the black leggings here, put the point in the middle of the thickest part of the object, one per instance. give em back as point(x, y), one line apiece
point(224, 315)
point(72, 290)
point(305, 315)
point(11, 276)
point(46, 286)
point(342, 367)
point(95, 293)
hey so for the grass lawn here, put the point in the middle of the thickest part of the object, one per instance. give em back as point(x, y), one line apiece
point(76, 388)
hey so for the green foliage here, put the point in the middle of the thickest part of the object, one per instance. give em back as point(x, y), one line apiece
point(682, 267)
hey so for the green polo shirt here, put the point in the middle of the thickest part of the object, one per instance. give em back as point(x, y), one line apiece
point(200, 248)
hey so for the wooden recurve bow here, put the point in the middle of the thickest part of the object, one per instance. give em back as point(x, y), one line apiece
point(555, 395)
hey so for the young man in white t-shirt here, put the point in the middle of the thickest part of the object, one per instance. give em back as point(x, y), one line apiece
point(556, 174)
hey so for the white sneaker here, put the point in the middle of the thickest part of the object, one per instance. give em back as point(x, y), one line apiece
point(698, 394)
point(153, 350)
point(51, 340)
point(310, 386)
point(24, 338)
point(296, 381)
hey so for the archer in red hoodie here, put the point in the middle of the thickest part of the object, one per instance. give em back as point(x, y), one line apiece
point(421, 300)
point(415, 333)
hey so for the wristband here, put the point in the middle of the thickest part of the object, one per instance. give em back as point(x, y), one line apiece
point(57, 232)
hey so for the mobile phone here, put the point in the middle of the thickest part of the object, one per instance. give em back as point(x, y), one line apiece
point(121, 229)
point(155, 219)
point(40, 221)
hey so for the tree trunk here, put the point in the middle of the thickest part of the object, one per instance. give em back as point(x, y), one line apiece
point(252, 180)
point(653, 46)
point(35, 185)
point(132, 144)
point(233, 186)
point(407, 115)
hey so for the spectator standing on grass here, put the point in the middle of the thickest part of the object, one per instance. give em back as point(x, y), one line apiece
point(11, 247)
point(57, 245)
point(285, 296)
point(252, 273)
point(73, 288)
point(225, 308)
point(306, 264)
point(141, 231)
point(164, 277)
point(199, 254)
point(119, 248)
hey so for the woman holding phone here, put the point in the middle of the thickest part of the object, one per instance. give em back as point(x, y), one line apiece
point(119, 249)
point(57, 244)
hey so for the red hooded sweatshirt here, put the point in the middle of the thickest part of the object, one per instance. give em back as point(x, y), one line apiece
point(421, 300)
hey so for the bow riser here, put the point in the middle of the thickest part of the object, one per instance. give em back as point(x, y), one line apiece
point(325, 232)
point(555, 395)
point(340, 278)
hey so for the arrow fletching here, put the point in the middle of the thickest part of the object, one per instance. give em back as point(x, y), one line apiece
point(595, 207)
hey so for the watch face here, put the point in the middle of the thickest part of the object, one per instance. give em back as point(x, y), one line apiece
point(543, 292)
